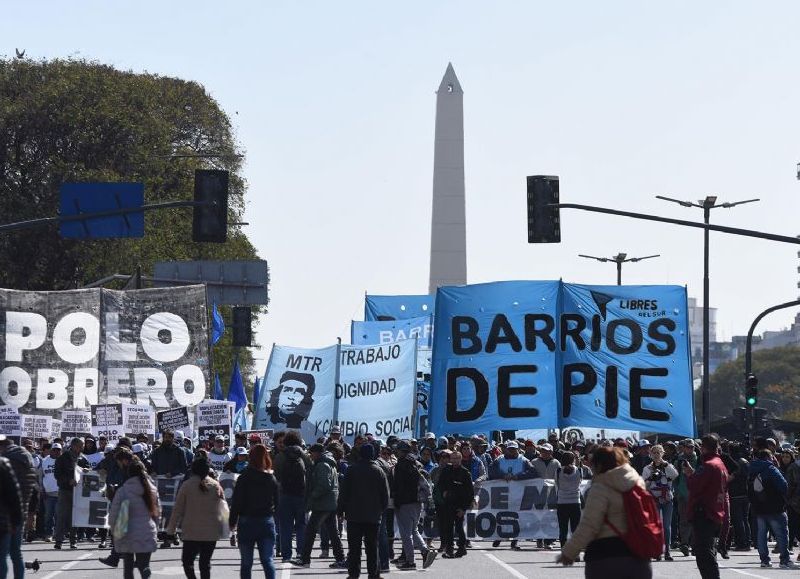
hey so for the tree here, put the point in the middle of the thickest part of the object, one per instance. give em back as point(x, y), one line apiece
point(778, 371)
point(71, 121)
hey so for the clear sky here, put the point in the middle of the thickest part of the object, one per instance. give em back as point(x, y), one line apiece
point(333, 103)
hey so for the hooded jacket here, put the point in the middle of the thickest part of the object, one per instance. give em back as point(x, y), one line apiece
point(142, 529)
point(22, 463)
point(323, 485)
point(604, 500)
point(775, 488)
point(364, 495)
point(10, 508)
point(406, 481)
point(288, 471)
point(454, 488)
point(168, 459)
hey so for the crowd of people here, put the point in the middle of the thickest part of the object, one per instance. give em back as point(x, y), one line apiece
point(712, 497)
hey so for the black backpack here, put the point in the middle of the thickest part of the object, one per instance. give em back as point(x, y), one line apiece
point(294, 477)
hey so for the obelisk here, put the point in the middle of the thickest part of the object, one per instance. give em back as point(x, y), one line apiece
point(448, 222)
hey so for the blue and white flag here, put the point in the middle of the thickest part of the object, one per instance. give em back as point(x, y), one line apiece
point(217, 325)
point(298, 390)
point(386, 332)
point(384, 308)
point(377, 390)
point(544, 354)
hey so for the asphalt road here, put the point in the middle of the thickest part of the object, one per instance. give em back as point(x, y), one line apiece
point(482, 561)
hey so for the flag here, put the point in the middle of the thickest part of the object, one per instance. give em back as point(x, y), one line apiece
point(217, 388)
point(217, 325)
point(256, 390)
point(240, 420)
point(236, 389)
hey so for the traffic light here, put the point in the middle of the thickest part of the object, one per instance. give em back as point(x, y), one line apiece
point(210, 220)
point(242, 334)
point(760, 418)
point(740, 418)
point(751, 391)
point(544, 222)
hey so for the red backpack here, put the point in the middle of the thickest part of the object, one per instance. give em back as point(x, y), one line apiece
point(645, 536)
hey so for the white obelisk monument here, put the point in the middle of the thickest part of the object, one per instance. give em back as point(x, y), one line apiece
point(448, 223)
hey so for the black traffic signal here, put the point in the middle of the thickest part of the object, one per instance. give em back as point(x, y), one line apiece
point(760, 418)
point(751, 390)
point(740, 418)
point(544, 222)
point(210, 220)
point(242, 331)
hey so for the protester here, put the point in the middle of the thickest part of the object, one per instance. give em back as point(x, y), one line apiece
point(238, 463)
point(291, 470)
point(686, 455)
point(168, 459)
point(11, 514)
point(658, 475)
point(323, 493)
point(606, 554)
point(255, 498)
point(511, 466)
point(363, 498)
point(456, 493)
point(219, 455)
point(198, 506)
point(793, 498)
point(408, 479)
point(545, 466)
point(739, 499)
point(22, 465)
point(568, 487)
point(49, 486)
point(707, 487)
point(64, 472)
point(136, 539)
point(767, 490)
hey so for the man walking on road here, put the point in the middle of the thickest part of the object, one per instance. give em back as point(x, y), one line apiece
point(66, 479)
point(408, 507)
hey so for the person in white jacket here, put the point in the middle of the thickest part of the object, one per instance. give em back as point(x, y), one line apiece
point(658, 476)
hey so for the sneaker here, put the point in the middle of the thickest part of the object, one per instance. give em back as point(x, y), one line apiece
point(430, 557)
point(515, 546)
point(469, 544)
point(300, 563)
point(462, 552)
point(102, 545)
point(765, 565)
point(685, 550)
point(48, 539)
point(399, 561)
point(57, 546)
point(448, 555)
point(73, 546)
point(789, 565)
point(109, 561)
point(407, 566)
point(668, 557)
point(324, 554)
point(496, 544)
point(337, 564)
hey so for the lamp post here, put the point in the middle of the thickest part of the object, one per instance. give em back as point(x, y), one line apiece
point(619, 259)
point(707, 204)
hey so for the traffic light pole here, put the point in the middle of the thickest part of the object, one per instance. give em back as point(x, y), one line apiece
point(748, 353)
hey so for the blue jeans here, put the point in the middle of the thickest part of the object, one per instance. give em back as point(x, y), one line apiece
point(665, 509)
point(292, 513)
point(779, 525)
point(256, 532)
point(11, 545)
point(50, 503)
point(383, 542)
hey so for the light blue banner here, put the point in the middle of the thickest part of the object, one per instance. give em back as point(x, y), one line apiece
point(383, 308)
point(377, 390)
point(366, 333)
point(543, 354)
point(298, 390)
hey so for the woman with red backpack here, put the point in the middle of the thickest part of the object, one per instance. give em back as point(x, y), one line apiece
point(604, 523)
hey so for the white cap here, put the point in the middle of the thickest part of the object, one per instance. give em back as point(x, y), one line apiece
point(512, 444)
point(179, 435)
point(644, 442)
point(137, 448)
point(56, 446)
point(109, 448)
point(430, 436)
point(241, 451)
point(547, 446)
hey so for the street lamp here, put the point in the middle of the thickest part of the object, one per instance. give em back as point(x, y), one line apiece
point(619, 259)
point(706, 205)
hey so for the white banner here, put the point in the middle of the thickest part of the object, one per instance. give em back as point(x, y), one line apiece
point(76, 423)
point(9, 421)
point(107, 421)
point(89, 503)
point(35, 427)
point(215, 418)
point(138, 419)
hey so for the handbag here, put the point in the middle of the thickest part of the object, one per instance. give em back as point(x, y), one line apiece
point(223, 514)
point(121, 523)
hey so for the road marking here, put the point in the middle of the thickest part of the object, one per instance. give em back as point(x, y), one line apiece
point(740, 572)
point(286, 572)
point(505, 566)
point(68, 566)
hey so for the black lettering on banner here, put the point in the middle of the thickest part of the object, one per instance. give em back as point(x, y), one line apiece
point(481, 524)
point(612, 393)
point(507, 524)
point(479, 385)
point(585, 386)
point(98, 511)
point(537, 498)
point(460, 333)
point(638, 393)
point(571, 327)
point(543, 334)
point(501, 332)
point(667, 339)
point(597, 338)
point(611, 336)
point(483, 498)
point(499, 498)
point(505, 391)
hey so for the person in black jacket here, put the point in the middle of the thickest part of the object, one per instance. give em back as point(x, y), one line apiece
point(255, 498)
point(10, 509)
point(64, 471)
point(169, 458)
point(363, 497)
point(456, 495)
point(22, 464)
point(408, 507)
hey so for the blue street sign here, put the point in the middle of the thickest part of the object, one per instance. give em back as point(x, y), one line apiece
point(80, 198)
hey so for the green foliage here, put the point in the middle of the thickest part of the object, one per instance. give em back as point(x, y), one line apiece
point(73, 121)
point(778, 371)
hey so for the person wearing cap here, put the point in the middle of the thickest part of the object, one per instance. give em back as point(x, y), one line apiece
point(49, 489)
point(322, 496)
point(64, 472)
point(335, 435)
point(642, 457)
point(22, 466)
point(168, 459)
point(180, 439)
point(443, 443)
point(292, 467)
point(430, 440)
point(546, 466)
point(408, 507)
point(511, 466)
point(11, 517)
point(686, 455)
point(219, 454)
point(238, 463)
point(454, 494)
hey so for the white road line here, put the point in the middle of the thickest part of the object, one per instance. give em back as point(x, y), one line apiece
point(286, 572)
point(740, 572)
point(505, 566)
point(67, 566)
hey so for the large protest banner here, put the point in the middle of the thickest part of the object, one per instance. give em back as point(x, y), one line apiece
point(215, 418)
point(174, 419)
point(167, 488)
point(544, 354)
point(403, 307)
point(138, 419)
point(376, 391)
point(35, 427)
point(73, 349)
point(510, 510)
point(10, 422)
point(386, 332)
point(298, 390)
point(89, 504)
point(107, 421)
point(76, 423)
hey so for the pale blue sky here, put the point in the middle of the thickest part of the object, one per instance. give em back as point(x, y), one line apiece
point(333, 103)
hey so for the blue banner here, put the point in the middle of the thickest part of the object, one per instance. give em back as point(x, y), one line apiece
point(384, 308)
point(386, 332)
point(544, 354)
point(297, 390)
